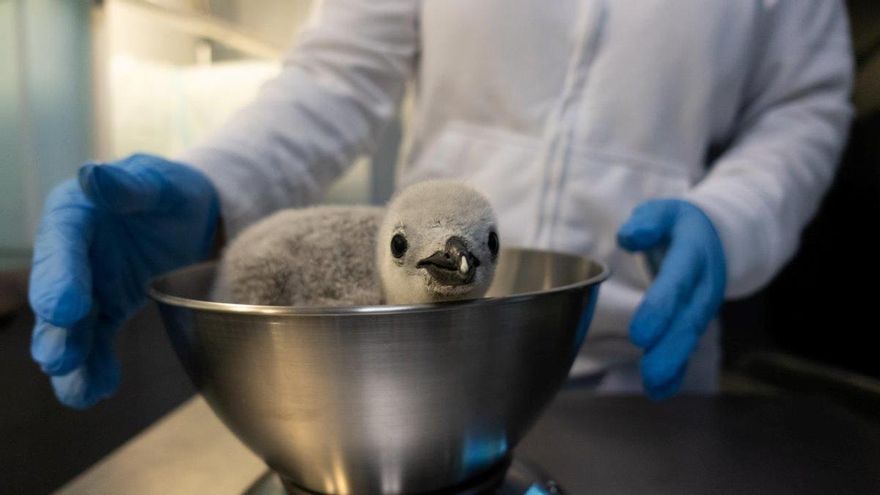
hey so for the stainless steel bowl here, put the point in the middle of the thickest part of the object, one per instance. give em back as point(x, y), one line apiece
point(382, 399)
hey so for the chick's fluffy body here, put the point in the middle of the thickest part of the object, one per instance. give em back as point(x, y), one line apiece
point(319, 256)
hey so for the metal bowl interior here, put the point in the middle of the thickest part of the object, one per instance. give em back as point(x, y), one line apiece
point(386, 399)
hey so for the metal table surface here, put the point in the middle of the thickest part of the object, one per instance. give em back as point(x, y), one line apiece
point(590, 444)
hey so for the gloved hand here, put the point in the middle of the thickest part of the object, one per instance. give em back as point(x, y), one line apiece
point(99, 242)
point(686, 294)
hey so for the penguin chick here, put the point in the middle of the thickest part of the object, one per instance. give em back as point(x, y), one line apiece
point(319, 256)
point(436, 241)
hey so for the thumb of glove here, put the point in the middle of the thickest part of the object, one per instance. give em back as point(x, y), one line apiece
point(649, 227)
point(133, 185)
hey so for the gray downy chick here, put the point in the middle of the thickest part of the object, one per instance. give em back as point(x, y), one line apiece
point(436, 241)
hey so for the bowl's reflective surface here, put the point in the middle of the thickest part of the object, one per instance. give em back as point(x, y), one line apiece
point(386, 399)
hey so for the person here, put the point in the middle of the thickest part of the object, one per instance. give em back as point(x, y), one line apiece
point(701, 134)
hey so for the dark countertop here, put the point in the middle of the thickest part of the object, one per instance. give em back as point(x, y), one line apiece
point(589, 444)
point(738, 445)
point(44, 444)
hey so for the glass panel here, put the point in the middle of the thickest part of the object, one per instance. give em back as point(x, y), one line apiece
point(13, 238)
point(45, 111)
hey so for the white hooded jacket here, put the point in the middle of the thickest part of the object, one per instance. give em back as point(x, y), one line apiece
point(567, 114)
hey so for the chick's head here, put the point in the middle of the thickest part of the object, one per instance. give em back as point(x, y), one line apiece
point(438, 242)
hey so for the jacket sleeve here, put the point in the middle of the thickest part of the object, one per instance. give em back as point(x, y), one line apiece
point(336, 90)
point(765, 187)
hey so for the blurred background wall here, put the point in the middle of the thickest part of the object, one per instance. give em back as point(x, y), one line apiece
point(46, 111)
point(70, 70)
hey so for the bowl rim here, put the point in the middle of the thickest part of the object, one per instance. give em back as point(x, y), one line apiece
point(264, 310)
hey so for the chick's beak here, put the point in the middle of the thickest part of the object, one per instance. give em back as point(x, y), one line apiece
point(454, 265)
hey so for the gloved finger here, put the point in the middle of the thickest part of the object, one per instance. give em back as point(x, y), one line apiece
point(663, 361)
point(668, 389)
point(649, 226)
point(671, 290)
point(95, 379)
point(61, 283)
point(60, 350)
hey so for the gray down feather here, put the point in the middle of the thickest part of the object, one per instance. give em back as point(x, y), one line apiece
point(320, 256)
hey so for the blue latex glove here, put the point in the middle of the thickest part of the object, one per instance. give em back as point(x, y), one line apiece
point(686, 294)
point(99, 242)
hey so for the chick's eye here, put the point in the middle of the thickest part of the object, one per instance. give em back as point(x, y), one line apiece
point(398, 245)
point(493, 243)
